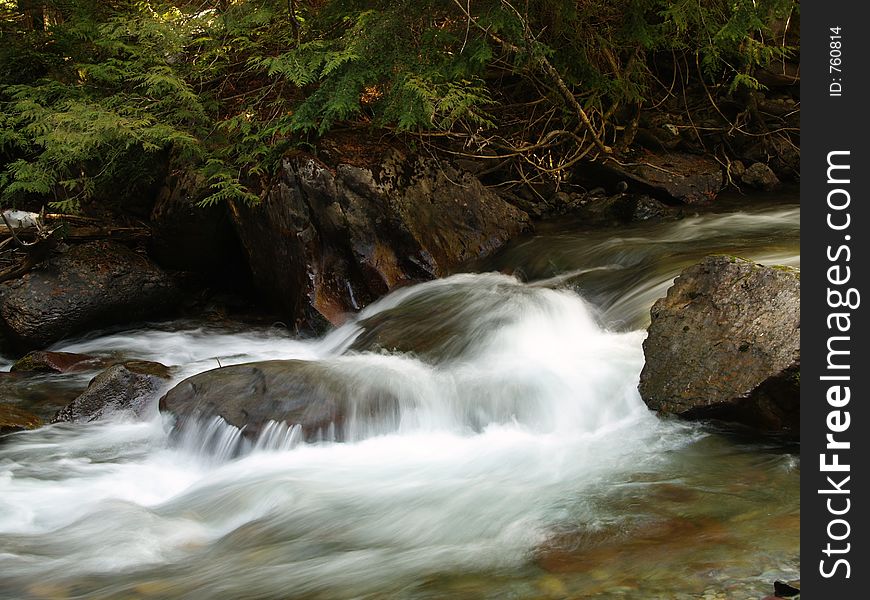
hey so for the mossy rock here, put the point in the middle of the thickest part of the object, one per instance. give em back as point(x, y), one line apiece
point(56, 362)
point(13, 419)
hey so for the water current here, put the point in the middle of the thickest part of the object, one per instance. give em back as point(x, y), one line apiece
point(522, 462)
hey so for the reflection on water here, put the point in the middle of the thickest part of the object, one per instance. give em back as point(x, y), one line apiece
point(523, 463)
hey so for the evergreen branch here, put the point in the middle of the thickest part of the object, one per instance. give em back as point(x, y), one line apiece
point(546, 66)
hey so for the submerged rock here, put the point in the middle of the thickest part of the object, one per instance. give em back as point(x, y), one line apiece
point(40, 393)
point(130, 387)
point(326, 240)
point(295, 392)
point(13, 419)
point(787, 589)
point(451, 319)
point(91, 285)
point(56, 362)
point(725, 344)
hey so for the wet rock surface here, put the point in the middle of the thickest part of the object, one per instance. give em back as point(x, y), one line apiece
point(41, 393)
point(41, 361)
point(327, 240)
point(91, 285)
point(725, 344)
point(130, 387)
point(294, 392)
point(625, 208)
point(13, 418)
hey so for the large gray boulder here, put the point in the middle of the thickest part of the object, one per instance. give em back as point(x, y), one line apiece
point(91, 285)
point(328, 239)
point(725, 344)
point(322, 401)
point(131, 387)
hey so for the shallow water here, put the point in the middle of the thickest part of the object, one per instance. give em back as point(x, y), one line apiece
point(522, 463)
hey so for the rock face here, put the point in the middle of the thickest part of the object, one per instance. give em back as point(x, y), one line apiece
point(327, 240)
point(725, 344)
point(296, 392)
point(91, 285)
point(130, 387)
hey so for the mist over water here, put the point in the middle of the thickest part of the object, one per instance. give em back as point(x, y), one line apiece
point(519, 432)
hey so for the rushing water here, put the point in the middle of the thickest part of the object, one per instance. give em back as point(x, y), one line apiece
point(523, 463)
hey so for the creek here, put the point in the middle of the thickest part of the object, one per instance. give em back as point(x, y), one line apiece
point(522, 462)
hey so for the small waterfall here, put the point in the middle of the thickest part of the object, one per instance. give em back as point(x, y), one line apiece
point(213, 438)
point(481, 417)
point(216, 441)
point(277, 437)
point(474, 352)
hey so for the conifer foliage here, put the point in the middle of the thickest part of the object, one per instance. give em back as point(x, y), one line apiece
point(99, 97)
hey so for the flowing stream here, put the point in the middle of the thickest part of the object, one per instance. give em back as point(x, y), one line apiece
point(522, 462)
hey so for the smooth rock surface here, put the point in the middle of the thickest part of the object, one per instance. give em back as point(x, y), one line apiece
point(295, 392)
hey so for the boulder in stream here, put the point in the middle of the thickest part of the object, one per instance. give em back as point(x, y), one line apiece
point(91, 285)
point(725, 344)
point(129, 387)
point(624, 208)
point(309, 394)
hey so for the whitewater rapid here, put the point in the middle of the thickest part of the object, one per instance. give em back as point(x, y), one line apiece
point(539, 406)
point(519, 420)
